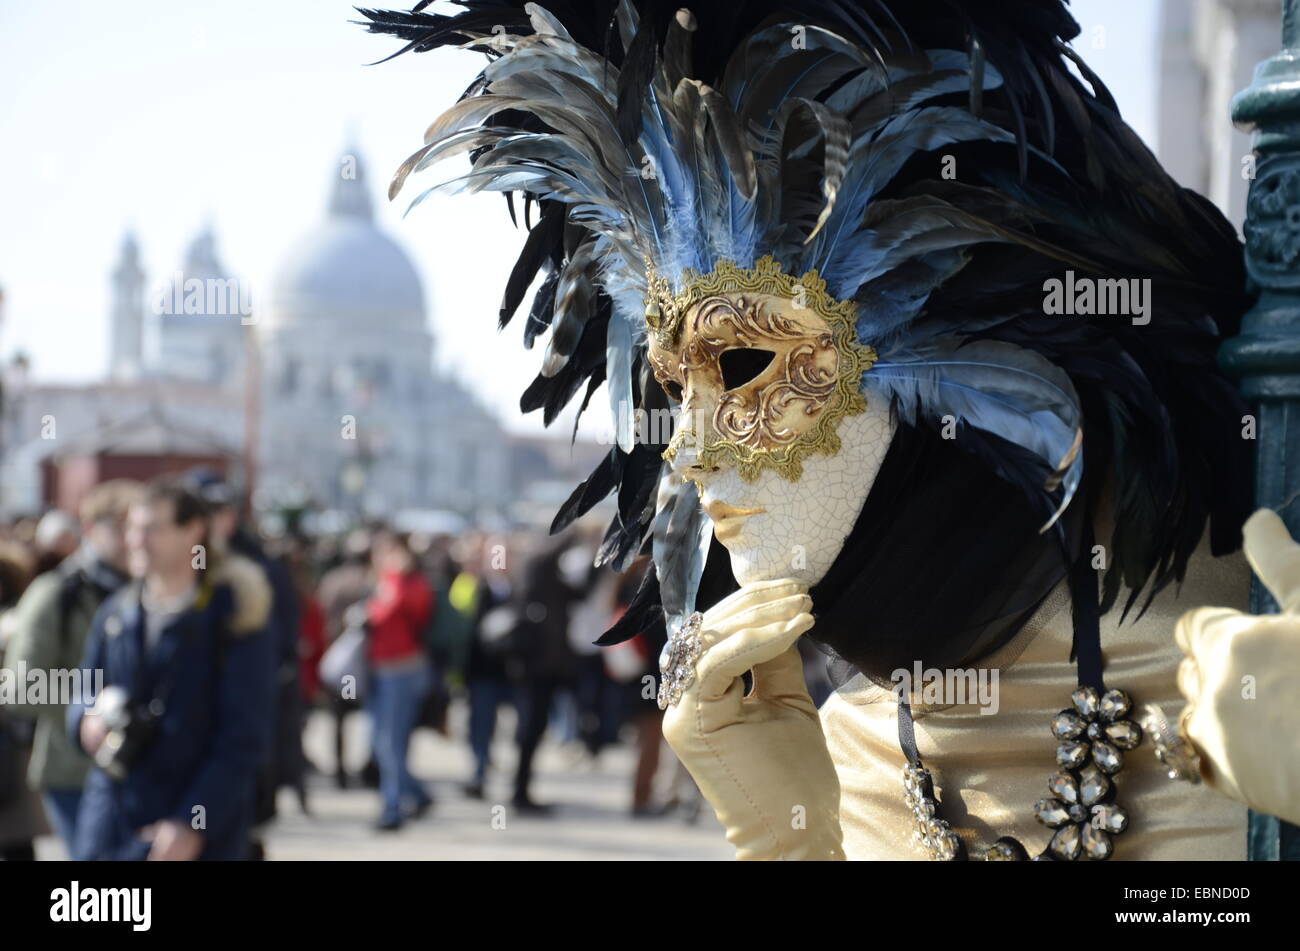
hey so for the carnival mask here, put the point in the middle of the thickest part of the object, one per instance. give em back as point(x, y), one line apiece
point(773, 428)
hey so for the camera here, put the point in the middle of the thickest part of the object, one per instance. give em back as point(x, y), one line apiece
point(131, 728)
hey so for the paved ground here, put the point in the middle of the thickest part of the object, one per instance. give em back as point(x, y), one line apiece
point(591, 819)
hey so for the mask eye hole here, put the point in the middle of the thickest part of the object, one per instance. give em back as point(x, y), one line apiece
point(673, 389)
point(742, 364)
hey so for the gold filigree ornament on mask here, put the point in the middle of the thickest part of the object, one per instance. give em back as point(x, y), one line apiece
point(785, 411)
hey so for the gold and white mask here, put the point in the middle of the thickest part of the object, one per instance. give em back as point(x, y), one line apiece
point(763, 364)
point(773, 428)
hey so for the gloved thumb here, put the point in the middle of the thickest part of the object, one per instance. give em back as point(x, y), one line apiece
point(1275, 558)
point(781, 680)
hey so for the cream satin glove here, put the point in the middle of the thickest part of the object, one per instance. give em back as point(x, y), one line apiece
point(1241, 679)
point(760, 760)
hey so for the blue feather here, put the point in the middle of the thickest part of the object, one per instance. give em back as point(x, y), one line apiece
point(875, 159)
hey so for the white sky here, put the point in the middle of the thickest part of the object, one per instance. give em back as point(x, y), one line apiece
point(160, 116)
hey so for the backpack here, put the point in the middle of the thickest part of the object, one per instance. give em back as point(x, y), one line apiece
point(451, 625)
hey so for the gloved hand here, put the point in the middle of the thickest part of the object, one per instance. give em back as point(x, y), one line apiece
point(760, 760)
point(1241, 679)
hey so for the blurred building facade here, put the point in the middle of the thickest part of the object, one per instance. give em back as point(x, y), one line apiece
point(1208, 50)
point(351, 413)
point(326, 391)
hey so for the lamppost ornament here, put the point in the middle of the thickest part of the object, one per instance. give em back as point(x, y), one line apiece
point(1265, 356)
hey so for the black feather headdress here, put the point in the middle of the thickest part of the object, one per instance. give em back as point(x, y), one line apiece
point(947, 166)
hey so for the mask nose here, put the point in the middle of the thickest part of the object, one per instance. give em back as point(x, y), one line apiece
point(694, 431)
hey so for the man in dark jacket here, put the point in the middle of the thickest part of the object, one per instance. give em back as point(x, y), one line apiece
point(185, 654)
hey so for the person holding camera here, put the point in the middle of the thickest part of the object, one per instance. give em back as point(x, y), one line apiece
point(178, 730)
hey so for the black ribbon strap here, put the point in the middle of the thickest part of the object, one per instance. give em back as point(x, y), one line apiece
point(906, 731)
point(1086, 649)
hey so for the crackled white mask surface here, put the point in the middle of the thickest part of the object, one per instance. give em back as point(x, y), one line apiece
point(775, 528)
point(773, 430)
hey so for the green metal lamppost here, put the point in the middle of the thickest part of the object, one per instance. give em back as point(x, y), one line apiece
point(1266, 355)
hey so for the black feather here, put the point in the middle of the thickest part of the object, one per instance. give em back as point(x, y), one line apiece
point(603, 480)
point(1073, 188)
point(539, 251)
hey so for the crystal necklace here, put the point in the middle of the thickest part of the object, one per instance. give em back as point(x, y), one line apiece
point(1091, 736)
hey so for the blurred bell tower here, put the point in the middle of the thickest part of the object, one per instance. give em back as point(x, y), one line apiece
point(126, 347)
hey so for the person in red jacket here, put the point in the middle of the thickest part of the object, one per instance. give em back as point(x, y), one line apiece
point(397, 615)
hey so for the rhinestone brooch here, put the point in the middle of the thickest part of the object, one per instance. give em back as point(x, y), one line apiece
point(1171, 748)
point(1081, 810)
point(677, 662)
point(932, 833)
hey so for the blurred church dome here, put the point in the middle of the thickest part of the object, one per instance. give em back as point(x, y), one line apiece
point(345, 270)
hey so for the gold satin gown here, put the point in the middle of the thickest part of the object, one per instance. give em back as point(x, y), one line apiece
point(990, 769)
